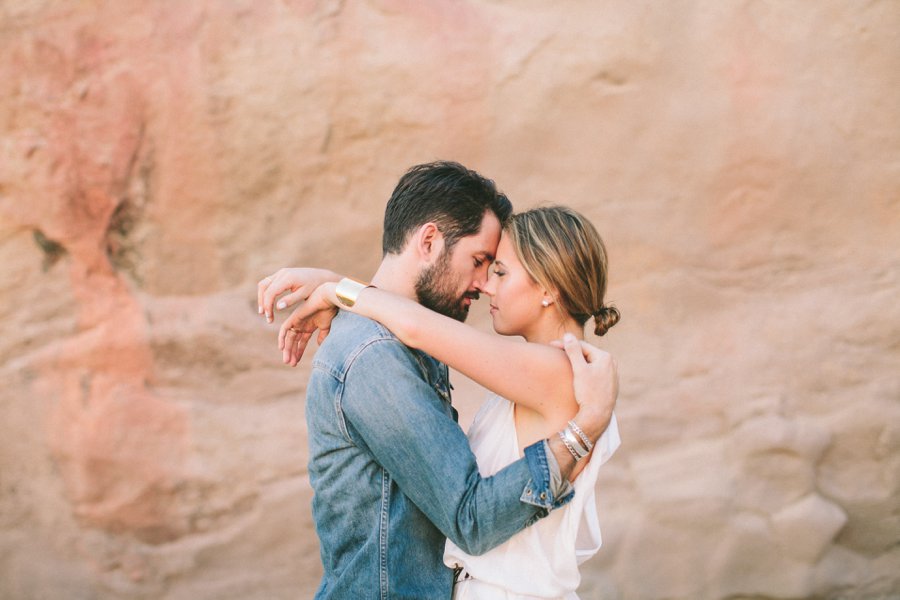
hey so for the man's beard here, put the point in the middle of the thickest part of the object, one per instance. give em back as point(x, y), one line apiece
point(435, 289)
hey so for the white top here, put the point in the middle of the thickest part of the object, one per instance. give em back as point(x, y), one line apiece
point(540, 561)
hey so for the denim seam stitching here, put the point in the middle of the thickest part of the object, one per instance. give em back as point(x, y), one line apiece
point(383, 534)
point(319, 365)
point(351, 358)
point(537, 461)
point(341, 379)
point(339, 414)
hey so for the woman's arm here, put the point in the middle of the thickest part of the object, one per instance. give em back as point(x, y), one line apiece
point(536, 376)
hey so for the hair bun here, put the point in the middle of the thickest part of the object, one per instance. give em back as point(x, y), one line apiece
point(605, 318)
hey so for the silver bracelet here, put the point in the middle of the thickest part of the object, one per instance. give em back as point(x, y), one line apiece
point(573, 444)
point(581, 434)
point(568, 446)
point(573, 439)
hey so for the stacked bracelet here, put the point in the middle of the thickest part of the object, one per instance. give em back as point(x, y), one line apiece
point(569, 446)
point(573, 441)
point(584, 438)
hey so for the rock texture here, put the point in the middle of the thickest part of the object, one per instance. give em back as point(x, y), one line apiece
point(156, 159)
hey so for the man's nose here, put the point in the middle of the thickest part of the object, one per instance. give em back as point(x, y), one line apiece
point(482, 277)
point(483, 282)
point(487, 286)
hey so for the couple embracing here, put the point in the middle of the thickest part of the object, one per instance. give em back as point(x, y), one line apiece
point(406, 505)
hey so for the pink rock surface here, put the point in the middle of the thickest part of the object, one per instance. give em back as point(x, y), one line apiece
point(740, 160)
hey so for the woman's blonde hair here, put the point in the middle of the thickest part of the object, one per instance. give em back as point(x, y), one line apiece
point(564, 254)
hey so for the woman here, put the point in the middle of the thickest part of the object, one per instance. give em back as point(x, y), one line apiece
point(548, 280)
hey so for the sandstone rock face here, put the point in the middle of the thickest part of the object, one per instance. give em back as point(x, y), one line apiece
point(157, 159)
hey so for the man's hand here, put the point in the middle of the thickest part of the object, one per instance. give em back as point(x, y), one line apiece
point(300, 281)
point(315, 314)
point(596, 385)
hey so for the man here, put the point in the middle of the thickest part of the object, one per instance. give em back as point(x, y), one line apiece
point(392, 471)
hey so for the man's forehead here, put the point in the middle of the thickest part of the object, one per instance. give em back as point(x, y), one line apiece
point(490, 234)
point(486, 255)
point(484, 243)
point(476, 246)
point(484, 246)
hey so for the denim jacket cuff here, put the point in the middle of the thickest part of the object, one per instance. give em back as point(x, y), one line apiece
point(547, 488)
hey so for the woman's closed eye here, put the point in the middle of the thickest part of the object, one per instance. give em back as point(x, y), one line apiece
point(499, 272)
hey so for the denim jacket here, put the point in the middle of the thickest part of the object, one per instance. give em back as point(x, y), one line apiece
point(393, 474)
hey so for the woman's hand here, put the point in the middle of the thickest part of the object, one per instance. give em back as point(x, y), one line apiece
point(300, 281)
point(596, 385)
point(316, 313)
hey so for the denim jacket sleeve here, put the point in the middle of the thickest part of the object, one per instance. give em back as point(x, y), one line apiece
point(405, 424)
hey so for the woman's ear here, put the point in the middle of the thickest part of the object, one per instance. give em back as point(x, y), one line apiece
point(429, 242)
point(548, 298)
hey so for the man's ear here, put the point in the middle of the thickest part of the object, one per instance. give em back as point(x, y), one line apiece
point(429, 242)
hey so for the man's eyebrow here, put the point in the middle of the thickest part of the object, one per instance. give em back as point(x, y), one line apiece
point(486, 255)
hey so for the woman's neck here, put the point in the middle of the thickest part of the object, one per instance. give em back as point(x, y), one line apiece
point(553, 329)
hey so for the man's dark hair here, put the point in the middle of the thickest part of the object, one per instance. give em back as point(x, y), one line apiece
point(445, 193)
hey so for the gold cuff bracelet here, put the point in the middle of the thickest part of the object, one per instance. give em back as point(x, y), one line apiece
point(347, 291)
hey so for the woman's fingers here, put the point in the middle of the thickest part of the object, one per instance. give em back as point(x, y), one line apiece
point(295, 333)
point(286, 344)
point(280, 282)
point(282, 334)
point(261, 288)
point(287, 329)
point(292, 298)
point(298, 281)
point(299, 347)
point(298, 329)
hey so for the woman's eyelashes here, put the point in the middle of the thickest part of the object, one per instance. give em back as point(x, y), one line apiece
point(499, 272)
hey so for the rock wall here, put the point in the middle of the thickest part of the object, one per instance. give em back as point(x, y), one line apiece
point(156, 159)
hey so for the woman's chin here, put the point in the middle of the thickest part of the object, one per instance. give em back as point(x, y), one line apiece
point(500, 329)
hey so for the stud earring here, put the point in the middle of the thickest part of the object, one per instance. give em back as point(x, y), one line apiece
point(545, 303)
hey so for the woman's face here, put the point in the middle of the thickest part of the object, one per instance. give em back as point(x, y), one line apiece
point(515, 297)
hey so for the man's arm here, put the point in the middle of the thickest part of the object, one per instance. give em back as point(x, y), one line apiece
point(403, 421)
